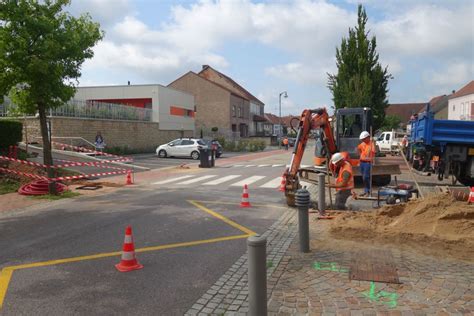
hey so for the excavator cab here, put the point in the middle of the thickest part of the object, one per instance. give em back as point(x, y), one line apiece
point(350, 122)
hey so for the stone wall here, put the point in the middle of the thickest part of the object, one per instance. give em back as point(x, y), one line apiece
point(135, 135)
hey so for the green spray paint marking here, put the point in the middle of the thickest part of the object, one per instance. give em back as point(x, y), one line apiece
point(329, 266)
point(389, 299)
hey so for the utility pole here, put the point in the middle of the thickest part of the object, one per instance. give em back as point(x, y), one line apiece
point(285, 95)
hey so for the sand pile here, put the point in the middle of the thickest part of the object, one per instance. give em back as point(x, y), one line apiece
point(438, 225)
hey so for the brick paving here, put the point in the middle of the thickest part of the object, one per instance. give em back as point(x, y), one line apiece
point(317, 283)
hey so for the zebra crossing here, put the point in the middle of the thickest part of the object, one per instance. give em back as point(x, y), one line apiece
point(233, 180)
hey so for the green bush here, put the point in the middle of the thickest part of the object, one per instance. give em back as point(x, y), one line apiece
point(11, 132)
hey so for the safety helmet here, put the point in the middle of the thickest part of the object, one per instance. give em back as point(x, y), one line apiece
point(363, 135)
point(336, 158)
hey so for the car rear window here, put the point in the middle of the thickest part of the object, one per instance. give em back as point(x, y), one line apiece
point(201, 142)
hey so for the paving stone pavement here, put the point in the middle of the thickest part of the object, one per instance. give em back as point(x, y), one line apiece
point(317, 283)
point(229, 294)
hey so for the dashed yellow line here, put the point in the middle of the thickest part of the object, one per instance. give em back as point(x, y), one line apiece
point(7, 272)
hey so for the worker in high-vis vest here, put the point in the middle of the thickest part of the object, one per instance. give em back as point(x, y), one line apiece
point(344, 180)
point(367, 153)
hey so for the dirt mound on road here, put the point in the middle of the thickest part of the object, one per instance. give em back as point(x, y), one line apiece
point(438, 224)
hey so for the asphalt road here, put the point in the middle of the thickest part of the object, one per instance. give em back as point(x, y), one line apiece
point(160, 214)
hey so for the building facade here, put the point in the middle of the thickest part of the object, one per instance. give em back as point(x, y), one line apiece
point(461, 103)
point(222, 103)
point(172, 109)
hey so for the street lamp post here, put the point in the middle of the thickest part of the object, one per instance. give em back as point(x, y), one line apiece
point(285, 95)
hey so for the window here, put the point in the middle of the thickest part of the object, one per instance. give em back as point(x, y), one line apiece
point(454, 107)
point(234, 128)
point(233, 111)
point(176, 142)
point(387, 136)
point(239, 112)
point(187, 142)
point(201, 142)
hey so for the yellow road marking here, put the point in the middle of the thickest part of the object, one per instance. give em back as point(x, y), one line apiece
point(223, 218)
point(237, 203)
point(5, 276)
point(7, 272)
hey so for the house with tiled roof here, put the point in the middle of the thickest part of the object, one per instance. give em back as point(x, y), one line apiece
point(404, 110)
point(461, 103)
point(221, 102)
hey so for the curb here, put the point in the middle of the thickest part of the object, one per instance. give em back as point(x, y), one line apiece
point(229, 294)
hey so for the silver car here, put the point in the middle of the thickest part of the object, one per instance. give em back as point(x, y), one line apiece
point(183, 147)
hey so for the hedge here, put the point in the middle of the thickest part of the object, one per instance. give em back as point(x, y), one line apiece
point(10, 133)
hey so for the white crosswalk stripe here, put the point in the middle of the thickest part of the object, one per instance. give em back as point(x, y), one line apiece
point(248, 181)
point(275, 183)
point(263, 166)
point(172, 180)
point(198, 179)
point(222, 180)
point(248, 166)
point(236, 166)
point(277, 166)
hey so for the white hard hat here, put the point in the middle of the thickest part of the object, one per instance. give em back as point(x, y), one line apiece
point(336, 158)
point(364, 134)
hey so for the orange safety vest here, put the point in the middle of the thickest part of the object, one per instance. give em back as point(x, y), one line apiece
point(346, 167)
point(367, 151)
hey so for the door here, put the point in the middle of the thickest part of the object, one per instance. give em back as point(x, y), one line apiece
point(173, 147)
point(187, 146)
point(386, 142)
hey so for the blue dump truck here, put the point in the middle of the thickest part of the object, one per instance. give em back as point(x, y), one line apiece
point(443, 147)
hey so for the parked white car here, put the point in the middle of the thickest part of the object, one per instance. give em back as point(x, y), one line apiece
point(183, 147)
point(389, 142)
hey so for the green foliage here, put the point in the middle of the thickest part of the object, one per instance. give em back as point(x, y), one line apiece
point(360, 80)
point(214, 129)
point(10, 133)
point(390, 122)
point(242, 145)
point(9, 185)
point(42, 51)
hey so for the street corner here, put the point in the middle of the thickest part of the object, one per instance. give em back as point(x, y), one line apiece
point(71, 280)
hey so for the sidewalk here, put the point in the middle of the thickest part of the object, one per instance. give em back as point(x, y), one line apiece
point(317, 283)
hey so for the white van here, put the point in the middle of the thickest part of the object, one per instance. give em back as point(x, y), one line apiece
point(389, 142)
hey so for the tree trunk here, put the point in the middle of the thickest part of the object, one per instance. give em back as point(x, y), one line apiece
point(47, 156)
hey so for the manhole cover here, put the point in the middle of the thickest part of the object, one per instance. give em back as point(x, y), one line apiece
point(374, 265)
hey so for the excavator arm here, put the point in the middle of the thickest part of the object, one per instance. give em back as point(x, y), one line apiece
point(310, 119)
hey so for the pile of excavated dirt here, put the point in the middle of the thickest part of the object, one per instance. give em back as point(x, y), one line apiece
point(438, 225)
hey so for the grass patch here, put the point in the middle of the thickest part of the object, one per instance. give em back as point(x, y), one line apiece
point(64, 195)
point(8, 186)
point(269, 264)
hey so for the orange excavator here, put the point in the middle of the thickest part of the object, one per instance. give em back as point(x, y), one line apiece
point(344, 138)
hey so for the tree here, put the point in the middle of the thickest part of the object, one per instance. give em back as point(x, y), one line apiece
point(42, 49)
point(360, 80)
point(391, 122)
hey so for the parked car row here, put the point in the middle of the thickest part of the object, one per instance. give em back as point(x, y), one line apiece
point(188, 147)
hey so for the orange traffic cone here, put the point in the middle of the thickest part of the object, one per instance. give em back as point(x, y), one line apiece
point(282, 184)
point(129, 177)
point(245, 197)
point(129, 261)
point(471, 196)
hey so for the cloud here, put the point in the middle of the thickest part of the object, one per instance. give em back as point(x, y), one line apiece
point(452, 76)
point(106, 12)
point(301, 73)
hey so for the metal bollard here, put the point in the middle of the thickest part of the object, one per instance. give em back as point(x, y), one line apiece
point(322, 194)
point(302, 198)
point(257, 275)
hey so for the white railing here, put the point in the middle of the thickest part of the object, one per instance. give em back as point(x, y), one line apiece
point(88, 109)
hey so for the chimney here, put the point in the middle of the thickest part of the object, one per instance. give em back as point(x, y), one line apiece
point(205, 66)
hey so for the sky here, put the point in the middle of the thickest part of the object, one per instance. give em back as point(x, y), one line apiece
point(273, 46)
